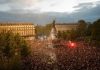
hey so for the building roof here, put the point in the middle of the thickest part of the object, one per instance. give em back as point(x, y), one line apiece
point(66, 24)
point(16, 23)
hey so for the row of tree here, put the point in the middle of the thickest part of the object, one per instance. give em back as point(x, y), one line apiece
point(43, 30)
point(12, 49)
point(89, 32)
point(85, 31)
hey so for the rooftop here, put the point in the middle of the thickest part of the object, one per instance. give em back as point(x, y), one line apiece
point(16, 23)
point(66, 23)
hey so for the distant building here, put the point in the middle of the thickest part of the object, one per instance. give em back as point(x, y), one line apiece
point(65, 26)
point(24, 29)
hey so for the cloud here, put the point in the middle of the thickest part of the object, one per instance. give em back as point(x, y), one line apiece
point(18, 5)
point(86, 14)
point(28, 6)
point(39, 5)
point(86, 5)
point(42, 11)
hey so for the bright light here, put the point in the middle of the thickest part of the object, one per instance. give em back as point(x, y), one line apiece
point(71, 44)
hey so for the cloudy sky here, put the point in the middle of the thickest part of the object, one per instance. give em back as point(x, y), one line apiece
point(44, 11)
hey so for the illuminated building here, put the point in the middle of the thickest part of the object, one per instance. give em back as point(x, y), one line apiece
point(24, 29)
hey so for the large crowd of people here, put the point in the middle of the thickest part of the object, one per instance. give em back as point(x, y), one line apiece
point(81, 57)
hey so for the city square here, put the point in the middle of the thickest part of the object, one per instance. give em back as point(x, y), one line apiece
point(49, 34)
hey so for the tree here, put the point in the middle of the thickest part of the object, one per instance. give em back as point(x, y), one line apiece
point(47, 29)
point(12, 49)
point(81, 28)
point(7, 44)
point(96, 30)
point(39, 30)
point(59, 34)
point(89, 29)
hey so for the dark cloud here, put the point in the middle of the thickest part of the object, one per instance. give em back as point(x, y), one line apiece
point(88, 13)
point(85, 11)
point(14, 4)
point(83, 5)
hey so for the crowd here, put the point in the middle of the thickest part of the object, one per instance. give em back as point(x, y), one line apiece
point(82, 57)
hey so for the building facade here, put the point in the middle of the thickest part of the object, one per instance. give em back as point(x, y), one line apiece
point(26, 30)
point(66, 26)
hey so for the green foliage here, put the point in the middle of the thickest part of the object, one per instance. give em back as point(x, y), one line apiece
point(43, 30)
point(96, 30)
point(85, 31)
point(10, 43)
point(16, 63)
point(59, 34)
point(62, 35)
point(81, 28)
point(24, 49)
point(12, 49)
point(66, 35)
point(47, 29)
point(39, 30)
point(89, 30)
point(7, 44)
point(74, 34)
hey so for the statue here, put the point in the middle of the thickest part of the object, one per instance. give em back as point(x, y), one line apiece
point(53, 33)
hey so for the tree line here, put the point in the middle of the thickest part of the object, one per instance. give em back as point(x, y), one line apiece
point(85, 31)
point(88, 32)
point(13, 48)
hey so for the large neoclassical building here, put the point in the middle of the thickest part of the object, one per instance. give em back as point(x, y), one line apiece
point(24, 29)
point(66, 26)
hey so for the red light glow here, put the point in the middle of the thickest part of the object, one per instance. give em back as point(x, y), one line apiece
point(72, 44)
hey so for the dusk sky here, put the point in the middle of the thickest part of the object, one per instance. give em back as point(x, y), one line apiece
point(44, 11)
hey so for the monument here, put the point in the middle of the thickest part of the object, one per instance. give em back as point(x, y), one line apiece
point(52, 36)
point(53, 33)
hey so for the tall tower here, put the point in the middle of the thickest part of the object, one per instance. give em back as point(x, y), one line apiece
point(53, 33)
